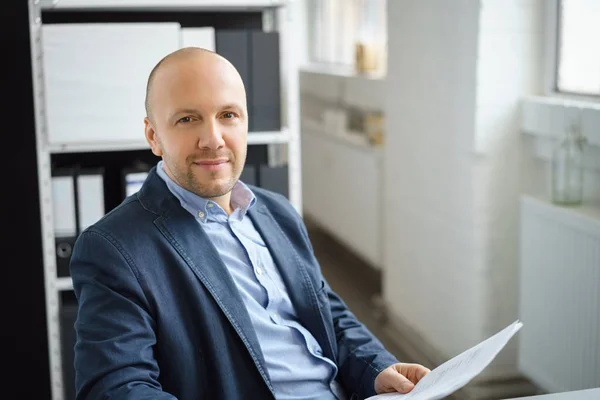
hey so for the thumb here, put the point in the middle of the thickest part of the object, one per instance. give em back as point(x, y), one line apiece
point(401, 384)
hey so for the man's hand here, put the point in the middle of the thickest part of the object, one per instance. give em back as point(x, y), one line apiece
point(400, 378)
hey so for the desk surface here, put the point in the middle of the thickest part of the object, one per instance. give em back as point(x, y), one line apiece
point(589, 394)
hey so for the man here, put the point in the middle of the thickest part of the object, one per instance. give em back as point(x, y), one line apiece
point(200, 287)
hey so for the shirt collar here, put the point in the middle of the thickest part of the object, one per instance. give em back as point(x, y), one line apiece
point(242, 198)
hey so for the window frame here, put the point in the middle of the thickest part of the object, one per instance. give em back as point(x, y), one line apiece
point(552, 55)
point(339, 67)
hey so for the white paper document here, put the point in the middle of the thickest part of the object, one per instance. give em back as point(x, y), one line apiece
point(457, 372)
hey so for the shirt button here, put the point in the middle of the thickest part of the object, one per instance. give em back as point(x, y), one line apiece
point(209, 205)
point(200, 214)
point(258, 271)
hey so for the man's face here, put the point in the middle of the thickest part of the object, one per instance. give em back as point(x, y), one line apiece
point(199, 124)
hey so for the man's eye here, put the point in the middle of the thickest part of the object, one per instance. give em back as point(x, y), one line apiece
point(185, 120)
point(229, 115)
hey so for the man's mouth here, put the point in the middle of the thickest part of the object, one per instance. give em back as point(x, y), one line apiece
point(212, 165)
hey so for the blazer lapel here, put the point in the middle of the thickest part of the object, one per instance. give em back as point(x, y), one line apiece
point(298, 283)
point(195, 247)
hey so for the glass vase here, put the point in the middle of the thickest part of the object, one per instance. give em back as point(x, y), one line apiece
point(567, 169)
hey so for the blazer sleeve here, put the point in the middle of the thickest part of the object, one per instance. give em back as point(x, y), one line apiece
point(114, 329)
point(361, 356)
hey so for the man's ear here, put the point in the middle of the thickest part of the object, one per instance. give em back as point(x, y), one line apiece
point(151, 138)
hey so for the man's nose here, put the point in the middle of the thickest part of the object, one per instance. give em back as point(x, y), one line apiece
point(211, 136)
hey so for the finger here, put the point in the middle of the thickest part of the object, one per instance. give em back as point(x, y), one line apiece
point(400, 383)
point(413, 372)
point(420, 372)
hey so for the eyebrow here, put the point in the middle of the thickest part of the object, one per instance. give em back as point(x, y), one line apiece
point(233, 105)
point(186, 111)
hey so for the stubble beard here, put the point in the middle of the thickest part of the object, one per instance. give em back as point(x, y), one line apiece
point(213, 186)
point(210, 184)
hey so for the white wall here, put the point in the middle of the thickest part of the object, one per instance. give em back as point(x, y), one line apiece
point(456, 71)
point(509, 65)
point(428, 185)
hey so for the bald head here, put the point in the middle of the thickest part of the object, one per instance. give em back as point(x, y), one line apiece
point(203, 60)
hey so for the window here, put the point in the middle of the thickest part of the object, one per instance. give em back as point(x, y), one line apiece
point(578, 48)
point(338, 28)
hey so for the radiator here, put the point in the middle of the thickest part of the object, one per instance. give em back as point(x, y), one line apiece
point(559, 344)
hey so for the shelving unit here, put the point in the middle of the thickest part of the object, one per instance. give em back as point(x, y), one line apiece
point(284, 144)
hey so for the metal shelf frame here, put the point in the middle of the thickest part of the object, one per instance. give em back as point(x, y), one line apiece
point(284, 145)
point(196, 5)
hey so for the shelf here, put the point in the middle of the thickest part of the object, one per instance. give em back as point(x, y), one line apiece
point(586, 216)
point(546, 117)
point(97, 147)
point(315, 128)
point(199, 5)
point(341, 71)
point(275, 137)
point(63, 284)
point(254, 138)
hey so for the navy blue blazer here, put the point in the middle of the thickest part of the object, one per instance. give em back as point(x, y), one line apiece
point(160, 317)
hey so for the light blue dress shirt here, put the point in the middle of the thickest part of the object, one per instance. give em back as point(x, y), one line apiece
point(294, 359)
